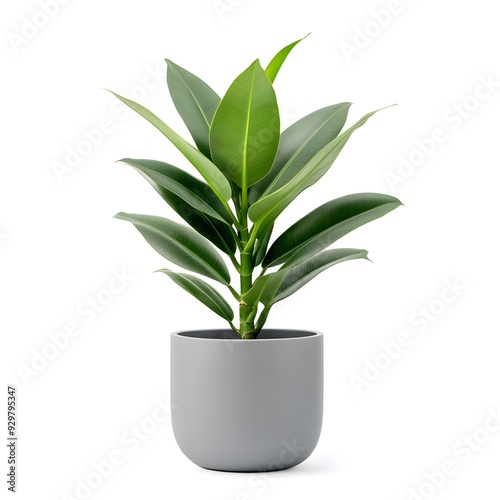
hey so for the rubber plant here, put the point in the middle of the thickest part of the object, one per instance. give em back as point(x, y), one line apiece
point(251, 173)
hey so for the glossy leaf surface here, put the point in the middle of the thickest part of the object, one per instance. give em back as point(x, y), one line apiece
point(245, 130)
point(180, 244)
point(205, 167)
point(325, 225)
point(204, 292)
point(195, 102)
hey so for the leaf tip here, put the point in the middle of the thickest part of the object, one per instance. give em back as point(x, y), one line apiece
point(398, 202)
point(121, 216)
point(256, 63)
point(108, 90)
point(165, 271)
point(365, 255)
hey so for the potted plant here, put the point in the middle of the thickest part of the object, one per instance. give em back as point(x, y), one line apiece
point(248, 398)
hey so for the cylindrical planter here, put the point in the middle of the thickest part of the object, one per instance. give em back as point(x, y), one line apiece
point(247, 405)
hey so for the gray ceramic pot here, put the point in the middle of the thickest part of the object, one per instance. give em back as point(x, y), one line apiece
point(247, 405)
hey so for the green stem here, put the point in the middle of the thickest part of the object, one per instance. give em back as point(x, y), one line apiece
point(253, 314)
point(251, 240)
point(235, 330)
point(246, 271)
point(236, 264)
point(235, 237)
point(235, 221)
point(235, 294)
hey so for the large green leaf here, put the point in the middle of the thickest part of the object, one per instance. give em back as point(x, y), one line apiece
point(193, 191)
point(219, 233)
point(266, 209)
point(180, 244)
point(297, 276)
point(203, 292)
point(245, 130)
point(279, 285)
point(325, 225)
point(277, 61)
point(195, 102)
point(298, 144)
point(205, 167)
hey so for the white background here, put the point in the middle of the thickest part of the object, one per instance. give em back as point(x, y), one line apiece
point(60, 245)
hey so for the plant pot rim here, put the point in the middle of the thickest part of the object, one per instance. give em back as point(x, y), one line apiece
point(226, 334)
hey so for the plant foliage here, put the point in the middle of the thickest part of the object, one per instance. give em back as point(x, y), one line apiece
point(251, 173)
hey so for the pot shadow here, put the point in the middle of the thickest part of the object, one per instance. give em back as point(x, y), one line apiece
point(318, 467)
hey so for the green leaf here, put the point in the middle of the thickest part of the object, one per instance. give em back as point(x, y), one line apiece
point(245, 130)
point(205, 167)
point(273, 287)
point(193, 191)
point(203, 292)
point(297, 276)
point(195, 102)
point(264, 288)
point(261, 321)
point(277, 61)
point(219, 233)
point(298, 145)
point(253, 296)
point(270, 287)
point(266, 209)
point(261, 247)
point(325, 225)
point(180, 244)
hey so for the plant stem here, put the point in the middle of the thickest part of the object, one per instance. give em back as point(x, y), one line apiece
point(246, 270)
point(235, 330)
point(230, 212)
point(235, 294)
point(246, 321)
point(235, 263)
point(251, 240)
